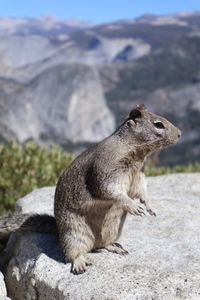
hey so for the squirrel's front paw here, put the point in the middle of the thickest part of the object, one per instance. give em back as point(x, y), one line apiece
point(135, 208)
point(149, 208)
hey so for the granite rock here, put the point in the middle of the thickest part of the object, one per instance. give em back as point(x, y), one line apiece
point(163, 260)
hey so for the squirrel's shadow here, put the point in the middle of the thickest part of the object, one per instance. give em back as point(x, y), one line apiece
point(30, 244)
point(48, 244)
point(42, 230)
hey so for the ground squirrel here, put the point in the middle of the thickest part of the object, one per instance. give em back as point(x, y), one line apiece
point(104, 183)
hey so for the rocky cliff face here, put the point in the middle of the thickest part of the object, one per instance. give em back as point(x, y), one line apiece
point(72, 83)
point(57, 106)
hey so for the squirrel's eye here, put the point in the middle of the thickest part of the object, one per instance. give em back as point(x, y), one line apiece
point(159, 125)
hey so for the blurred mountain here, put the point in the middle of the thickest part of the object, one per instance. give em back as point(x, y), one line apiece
point(45, 25)
point(71, 82)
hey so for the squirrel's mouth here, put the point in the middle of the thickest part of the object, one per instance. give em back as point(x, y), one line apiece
point(176, 137)
point(173, 142)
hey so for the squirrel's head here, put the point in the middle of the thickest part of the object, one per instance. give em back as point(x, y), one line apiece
point(150, 129)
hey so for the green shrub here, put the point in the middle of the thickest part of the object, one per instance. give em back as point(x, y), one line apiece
point(30, 166)
point(27, 167)
point(155, 171)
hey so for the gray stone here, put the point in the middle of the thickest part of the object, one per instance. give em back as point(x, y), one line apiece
point(39, 201)
point(163, 260)
point(3, 291)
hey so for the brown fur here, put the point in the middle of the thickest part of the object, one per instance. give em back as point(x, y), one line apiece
point(103, 184)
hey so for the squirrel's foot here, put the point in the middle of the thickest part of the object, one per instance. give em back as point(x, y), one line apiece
point(79, 265)
point(116, 248)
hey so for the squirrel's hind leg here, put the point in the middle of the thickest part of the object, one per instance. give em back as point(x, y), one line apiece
point(76, 242)
point(75, 248)
point(79, 265)
point(111, 230)
point(116, 248)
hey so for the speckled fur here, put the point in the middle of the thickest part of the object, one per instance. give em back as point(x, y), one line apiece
point(96, 192)
point(103, 184)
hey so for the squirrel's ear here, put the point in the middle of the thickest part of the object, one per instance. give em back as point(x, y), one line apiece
point(137, 111)
point(141, 107)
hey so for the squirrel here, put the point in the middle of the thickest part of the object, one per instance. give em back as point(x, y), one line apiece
point(101, 186)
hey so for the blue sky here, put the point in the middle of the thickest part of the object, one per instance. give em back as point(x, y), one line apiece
point(94, 10)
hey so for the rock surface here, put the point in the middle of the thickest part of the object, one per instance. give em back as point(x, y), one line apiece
point(37, 202)
point(3, 291)
point(163, 260)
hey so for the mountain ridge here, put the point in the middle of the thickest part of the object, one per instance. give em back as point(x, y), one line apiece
point(106, 70)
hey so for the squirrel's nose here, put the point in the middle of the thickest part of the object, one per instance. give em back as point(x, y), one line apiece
point(179, 133)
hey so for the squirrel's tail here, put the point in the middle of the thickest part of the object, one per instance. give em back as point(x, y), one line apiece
point(18, 222)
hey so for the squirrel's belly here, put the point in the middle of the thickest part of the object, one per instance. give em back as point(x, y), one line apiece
point(108, 227)
point(135, 185)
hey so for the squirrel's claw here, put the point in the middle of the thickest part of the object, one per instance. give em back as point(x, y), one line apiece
point(151, 212)
point(136, 209)
point(79, 265)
